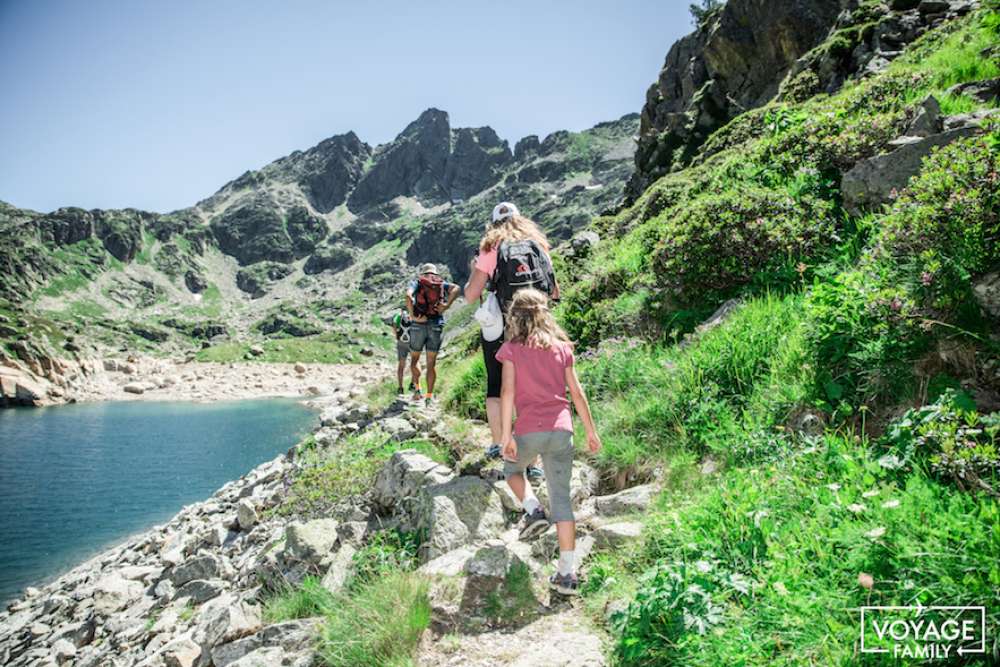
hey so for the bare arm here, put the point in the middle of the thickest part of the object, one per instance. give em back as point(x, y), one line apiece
point(452, 295)
point(474, 288)
point(582, 409)
point(409, 309)
point(507, 386)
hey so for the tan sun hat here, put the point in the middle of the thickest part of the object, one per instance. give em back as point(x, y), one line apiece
point(427, 267)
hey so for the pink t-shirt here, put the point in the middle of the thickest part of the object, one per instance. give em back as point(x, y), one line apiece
point(487, 261)
point(540, 389)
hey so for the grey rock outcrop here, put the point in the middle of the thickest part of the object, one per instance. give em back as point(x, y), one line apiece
point(733, 62)
point(872, 182)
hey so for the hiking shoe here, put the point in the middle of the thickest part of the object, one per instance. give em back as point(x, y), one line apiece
point(493, 452)
point(535, 524)
point(400, 391)
point(534, 472)
point(565, 584)
point(429, 401)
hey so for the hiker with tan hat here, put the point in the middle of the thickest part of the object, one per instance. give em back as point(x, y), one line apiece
point(427, 298)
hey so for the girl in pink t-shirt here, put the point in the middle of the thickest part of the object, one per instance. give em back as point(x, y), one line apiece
point(538, 368)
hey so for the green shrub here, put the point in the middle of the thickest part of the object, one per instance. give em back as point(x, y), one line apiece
point(950, 439)
point(329, 476)
point(379, 624)
point(944, 229)
point(718, 243)
point(385, 552)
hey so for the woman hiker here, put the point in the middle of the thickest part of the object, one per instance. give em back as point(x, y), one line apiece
point(537, 370)
point(513, 254)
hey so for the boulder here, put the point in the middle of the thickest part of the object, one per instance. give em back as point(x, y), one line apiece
point(181, 652)
point(292, 636)
point(872, 182)
point(63, 651)
point(635, 499)
point(398, 428)
point(611, 535)
point(339, 569)
point(300, 368)
point(28, 391)
point(450, 564)
point(405, 473)
point(78, 633)
point(310, 542)
point(455, 513)
point(982, 91)
point(200, 590)
point(246, 515)
point(493, 560)
point(134, 388)
point(987, 294)
point(927, 120)
point(226, 621)
point(206, 566)
point(113, 592)
point(273, 656)
point(928, 7)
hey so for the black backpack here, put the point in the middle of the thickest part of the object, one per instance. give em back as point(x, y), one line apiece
point(521, 264)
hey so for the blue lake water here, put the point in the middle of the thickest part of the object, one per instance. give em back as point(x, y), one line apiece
point(76, 479)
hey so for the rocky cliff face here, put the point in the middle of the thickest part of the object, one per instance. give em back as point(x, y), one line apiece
point(750, 52)
point(734, 61)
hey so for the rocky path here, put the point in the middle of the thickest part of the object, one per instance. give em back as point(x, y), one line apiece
point(191, 593)
point(562, 638)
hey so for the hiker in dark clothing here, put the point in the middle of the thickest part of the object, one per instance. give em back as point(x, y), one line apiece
point(401, 328)
point(513, 254)
point(427, 298)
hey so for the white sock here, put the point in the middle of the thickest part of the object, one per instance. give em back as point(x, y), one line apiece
point(530, 502)
point(566, 559)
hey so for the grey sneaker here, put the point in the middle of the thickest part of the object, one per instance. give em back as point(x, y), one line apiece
point(535, 524)
point(565, 584)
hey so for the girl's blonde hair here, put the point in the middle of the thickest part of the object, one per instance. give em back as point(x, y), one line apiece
point(514, 228)
point(530, 322)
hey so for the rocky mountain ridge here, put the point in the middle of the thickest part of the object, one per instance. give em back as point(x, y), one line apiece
point(319, 240)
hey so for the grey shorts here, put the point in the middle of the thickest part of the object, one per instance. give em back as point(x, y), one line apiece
point(556, 450)
point(425, 336)
point(402, 349)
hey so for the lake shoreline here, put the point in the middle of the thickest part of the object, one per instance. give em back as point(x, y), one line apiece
point(106, 601)
point(136, 378)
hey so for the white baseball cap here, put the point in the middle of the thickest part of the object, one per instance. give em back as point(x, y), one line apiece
point(504, 210)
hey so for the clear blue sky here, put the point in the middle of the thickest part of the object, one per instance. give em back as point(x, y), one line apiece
point(155, 105)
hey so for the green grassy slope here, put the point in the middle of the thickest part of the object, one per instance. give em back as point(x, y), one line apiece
point(807, 397)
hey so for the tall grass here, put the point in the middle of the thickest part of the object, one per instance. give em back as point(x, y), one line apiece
point(306, 600)
point(378, 625)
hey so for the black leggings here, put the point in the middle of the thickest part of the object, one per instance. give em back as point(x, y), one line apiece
point(493, 367)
